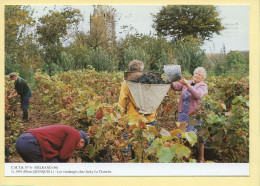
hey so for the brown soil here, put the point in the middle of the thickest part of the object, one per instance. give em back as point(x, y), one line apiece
point(36, 119)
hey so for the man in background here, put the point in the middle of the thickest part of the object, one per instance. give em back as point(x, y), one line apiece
point(22, 89)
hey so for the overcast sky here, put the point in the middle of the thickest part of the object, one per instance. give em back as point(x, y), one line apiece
point(234, 17)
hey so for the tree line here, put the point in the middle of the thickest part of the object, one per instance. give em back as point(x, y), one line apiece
point(54, 43)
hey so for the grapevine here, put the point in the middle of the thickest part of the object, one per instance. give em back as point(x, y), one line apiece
point(87, 100)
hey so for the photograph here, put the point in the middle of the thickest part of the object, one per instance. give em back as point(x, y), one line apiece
point(103, 90)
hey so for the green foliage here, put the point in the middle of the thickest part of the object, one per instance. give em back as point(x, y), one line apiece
point(191, 137)
point(134, 53)
point(165, 155)
point(78, 49)
point(21, 47)
point(51, 68)
point(225, 118)
point(236, 64)
point(98, 34)
point(58, 46)
point(160, 52)
point(101, 35)
point(163, 59)
point(180, 21)
point(67, 62)
point(17, 20)
point(13, 126)
point(188, 54)
point(10, 63)
point(52, 28)
point(155, 52)
point(88, 100)
point(100, 60)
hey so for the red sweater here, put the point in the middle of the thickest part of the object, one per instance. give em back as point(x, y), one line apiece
point(56, 141)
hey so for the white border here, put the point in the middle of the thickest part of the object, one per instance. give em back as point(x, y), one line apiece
point(126, 169)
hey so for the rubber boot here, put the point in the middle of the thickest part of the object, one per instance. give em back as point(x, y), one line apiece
point(25, 115)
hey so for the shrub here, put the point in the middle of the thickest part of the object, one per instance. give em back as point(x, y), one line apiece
point(134, 53)
point(236, 64)
point(188, 54)
point(10, 64)
point(100, 60)
point(67, 62)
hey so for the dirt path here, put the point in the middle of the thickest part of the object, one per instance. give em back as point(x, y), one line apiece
point(37, 119)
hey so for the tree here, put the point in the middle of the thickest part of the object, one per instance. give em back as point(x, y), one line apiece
point(21, 47)
point(188, 54)
point(179, 21)
point(102, 27)
point(52, 29)
point(98, 35)
point(153, 51)
point(78, 49)
point(17, 19)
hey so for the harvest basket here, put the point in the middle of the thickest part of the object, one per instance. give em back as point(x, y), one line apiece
point(148, 97)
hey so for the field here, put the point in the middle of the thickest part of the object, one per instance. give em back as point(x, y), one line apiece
point(87, 100)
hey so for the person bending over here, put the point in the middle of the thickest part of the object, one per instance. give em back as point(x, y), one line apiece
point(54, 143)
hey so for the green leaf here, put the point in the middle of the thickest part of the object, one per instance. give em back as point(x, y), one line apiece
point(165, 155)
point(223, 106)
point(165, 138)
point(192, 161)
point(240, 98)
point(182, 151)
point(45, 99)
point(214, 118)
point(191, 137)
point(31, 107)
point(90, 149)
point(155, 142)
point(90, 111)
point(234, 119)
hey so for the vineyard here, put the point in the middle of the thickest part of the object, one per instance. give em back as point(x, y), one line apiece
point(87, 100)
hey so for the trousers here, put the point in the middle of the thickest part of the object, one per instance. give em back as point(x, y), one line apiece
point(28, 148)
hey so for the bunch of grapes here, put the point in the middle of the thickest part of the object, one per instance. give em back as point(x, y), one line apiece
point(149, 78)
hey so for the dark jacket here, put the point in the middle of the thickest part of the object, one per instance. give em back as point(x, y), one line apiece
point(21, 87)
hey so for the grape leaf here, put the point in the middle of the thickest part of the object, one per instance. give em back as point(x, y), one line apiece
point(90, 111)
point(165, 155)
point(182, 151)
point(191, 137)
